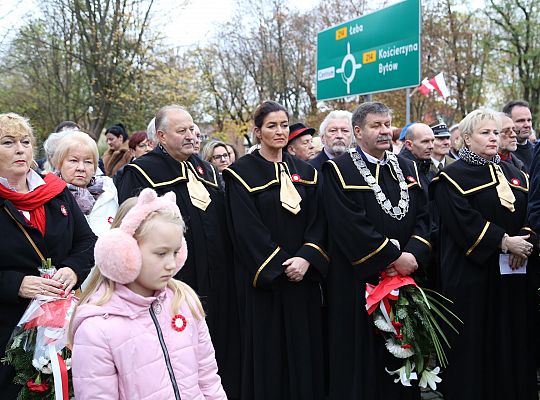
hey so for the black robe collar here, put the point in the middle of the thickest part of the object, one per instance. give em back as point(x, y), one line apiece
point(256, 173)
point(469, 179)
point(151, 167)
point(351, 179)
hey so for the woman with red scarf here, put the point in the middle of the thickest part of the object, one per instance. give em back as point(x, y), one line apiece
point(39, 219)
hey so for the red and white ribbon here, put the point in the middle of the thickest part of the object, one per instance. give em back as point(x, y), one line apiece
point(60, 375)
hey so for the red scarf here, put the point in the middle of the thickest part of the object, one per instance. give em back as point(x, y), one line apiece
point(34, 201)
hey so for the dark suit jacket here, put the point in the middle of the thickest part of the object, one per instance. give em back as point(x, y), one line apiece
point(318, 161)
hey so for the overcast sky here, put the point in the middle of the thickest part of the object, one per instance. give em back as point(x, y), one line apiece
point(184, 26)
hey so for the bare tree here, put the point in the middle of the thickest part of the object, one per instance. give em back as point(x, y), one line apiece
point(518, 41)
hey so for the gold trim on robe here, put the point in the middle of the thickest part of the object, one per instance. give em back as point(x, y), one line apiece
point(377, 250)
point(264, 264)
point(323, 253)
point(479, 239)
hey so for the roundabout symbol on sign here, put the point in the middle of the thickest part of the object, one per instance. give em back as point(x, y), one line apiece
point(348, 58)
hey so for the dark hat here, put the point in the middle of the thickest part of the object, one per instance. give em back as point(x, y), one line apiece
point(299, 129)
point(440, 130)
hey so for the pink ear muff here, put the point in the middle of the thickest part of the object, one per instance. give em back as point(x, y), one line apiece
point(181, 257)
point(118, 257)
point(117, 253)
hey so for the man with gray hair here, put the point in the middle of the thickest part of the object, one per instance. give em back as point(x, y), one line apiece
point(151, 131)
point(378, 222)
point(173, 167)
point(508, 143)
point(336, 136)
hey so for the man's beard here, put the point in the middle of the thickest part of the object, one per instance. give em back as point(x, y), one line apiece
point(338, 149)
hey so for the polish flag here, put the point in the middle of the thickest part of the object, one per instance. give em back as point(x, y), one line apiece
point(439, 85)
point(425, 87)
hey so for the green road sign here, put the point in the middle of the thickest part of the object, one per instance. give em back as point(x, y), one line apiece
point(373, 53)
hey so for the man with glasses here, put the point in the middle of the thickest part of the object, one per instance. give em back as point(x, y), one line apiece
point(336, 136)
point(508, 143)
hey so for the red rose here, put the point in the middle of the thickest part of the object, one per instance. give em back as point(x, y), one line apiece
point(37, 387)
point(406, 346)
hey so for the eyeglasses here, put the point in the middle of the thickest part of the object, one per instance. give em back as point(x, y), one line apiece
point(143, 145)
point(224, 157)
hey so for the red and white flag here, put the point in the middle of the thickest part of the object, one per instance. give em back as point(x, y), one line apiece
point(436, 83)
point(425, 87)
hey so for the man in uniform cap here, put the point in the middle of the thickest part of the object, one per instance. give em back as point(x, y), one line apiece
point(441, 147)
point(300, 142)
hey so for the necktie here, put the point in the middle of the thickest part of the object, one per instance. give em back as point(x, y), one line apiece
point(503, 190)
point(198, 194)
point(288, 195)
point(440, 166)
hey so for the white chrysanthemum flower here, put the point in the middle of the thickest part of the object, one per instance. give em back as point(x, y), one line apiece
point(405, 380)
point(429, 377)
point(47, 369)
point(397, 351)
point(382, 325)
point(68, 363)
point(39, 363)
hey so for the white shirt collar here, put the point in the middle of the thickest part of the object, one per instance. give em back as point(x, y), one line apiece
point(33, 180)
point(374, 160)
point(436, 162)
point(330, 156)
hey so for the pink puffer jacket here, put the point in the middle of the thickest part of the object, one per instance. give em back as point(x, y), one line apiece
point(118, 354)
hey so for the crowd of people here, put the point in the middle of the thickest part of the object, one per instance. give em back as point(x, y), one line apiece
point(209, 275)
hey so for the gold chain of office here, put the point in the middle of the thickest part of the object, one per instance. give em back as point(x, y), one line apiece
point(401, 209)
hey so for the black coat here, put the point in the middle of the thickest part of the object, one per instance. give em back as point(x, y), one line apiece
point(525, 153)
point(68, 241)
point(494, 351)
point(360, 248)
point(281, 320)
point(318, 161)
point(424, 168)
point(516, 162)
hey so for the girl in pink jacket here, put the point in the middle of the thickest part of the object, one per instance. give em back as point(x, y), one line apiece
point(137, 332)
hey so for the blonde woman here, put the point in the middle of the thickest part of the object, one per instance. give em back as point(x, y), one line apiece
point(487, 265)
point(38, 219)
point(136, 321)
point(75, 160)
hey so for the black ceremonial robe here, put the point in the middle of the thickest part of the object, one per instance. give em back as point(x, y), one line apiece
point(209, 264)
point(493, 356)
point(282, 354)
point(360, 248)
